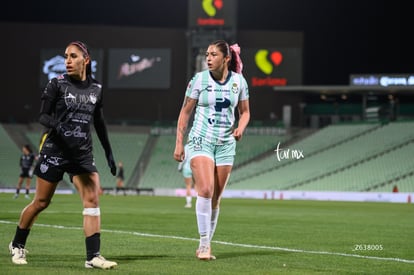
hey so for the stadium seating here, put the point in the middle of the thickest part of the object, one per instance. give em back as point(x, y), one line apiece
point(9, 160)
point(359, 162)
point(368, 157)
point(317, 142)
point(126, 147)
point(162, 169)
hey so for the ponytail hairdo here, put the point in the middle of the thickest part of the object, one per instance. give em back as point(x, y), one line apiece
point(86, 54)
point(235, 62)
point(233, 51)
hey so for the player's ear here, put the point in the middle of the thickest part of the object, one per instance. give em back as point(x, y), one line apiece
point(87, 60)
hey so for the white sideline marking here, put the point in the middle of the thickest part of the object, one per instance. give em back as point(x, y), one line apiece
point(228, 243)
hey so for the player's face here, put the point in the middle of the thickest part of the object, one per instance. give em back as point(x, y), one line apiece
point(215, 59)
point(75, 62)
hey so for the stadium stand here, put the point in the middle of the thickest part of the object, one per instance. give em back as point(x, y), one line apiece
point(162, 169)
point(313, 144)
point(252, 146)
point(126, 147)
point(359, 161)
point(9, 160)
point(363, 157)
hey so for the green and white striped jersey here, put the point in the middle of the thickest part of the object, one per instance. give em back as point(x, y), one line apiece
point(215, 112)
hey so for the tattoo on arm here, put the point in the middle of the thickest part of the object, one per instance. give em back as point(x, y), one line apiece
point(182, 126)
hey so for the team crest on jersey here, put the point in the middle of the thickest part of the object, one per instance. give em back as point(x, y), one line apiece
point(234, 88)
point(44, 167)
point(197, 143)
point(70, 99)
point(92, 98)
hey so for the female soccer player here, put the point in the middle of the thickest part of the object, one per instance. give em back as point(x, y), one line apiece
point(214, 94)
point(70, 104)
point(27, 160)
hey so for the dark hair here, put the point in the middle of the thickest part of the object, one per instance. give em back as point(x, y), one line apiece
point(28, 148)
point(233, 51)
point(86, 53)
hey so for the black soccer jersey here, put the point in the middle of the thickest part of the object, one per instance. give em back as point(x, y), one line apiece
point(26, 161)
point(73, 105)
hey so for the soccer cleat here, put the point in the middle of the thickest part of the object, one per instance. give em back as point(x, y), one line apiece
point(27, 197)
point(100, 262)
point(204, 253)
point(18, 254)
point(187, 205)
point(15, 196)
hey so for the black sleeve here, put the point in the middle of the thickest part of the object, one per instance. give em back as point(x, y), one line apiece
point(101, 131)
point(45, 118)
point(47, 104)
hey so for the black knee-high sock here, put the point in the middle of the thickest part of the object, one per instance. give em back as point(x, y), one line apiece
point(27, 191)
point(93, 245)
point(20, 237)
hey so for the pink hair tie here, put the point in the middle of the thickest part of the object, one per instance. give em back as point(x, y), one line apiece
point(239, 65)
point(80, 46)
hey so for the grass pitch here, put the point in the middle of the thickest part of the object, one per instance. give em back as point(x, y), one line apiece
point(157, 235)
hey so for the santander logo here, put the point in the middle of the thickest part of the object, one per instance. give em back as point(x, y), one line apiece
point(266, 62)
point(210, 7)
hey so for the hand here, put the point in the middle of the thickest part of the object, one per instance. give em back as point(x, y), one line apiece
point(179, 153)
point(237, 134)
point(111, 164)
